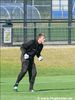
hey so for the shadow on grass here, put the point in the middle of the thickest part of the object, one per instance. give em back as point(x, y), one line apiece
point(45, 90)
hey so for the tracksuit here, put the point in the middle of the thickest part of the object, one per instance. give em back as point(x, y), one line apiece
point(31, 48)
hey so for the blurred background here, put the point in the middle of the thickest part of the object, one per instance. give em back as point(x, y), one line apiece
point(22, 20)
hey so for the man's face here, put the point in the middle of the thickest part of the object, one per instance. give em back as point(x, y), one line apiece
point(42, 39)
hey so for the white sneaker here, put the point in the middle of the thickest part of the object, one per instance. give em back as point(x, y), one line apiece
point(15, 88)
point(32, 91)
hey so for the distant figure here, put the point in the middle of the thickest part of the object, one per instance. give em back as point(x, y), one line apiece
point(29, 50)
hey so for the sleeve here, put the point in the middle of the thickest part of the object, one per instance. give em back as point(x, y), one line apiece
point(39, 51)
point(25, 46)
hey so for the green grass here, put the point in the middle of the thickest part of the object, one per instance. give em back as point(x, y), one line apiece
point(55, 78)
point(50, 86)
point(57, 61)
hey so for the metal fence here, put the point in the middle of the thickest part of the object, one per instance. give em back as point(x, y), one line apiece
point(28, 18)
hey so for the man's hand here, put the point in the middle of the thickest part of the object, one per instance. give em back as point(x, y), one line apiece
point(40, 58)
point(26, 56)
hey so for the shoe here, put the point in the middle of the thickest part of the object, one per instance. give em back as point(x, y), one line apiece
point(32, 91)
point(16, 88)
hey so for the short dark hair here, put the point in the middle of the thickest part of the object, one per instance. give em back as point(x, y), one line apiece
point(40, 35)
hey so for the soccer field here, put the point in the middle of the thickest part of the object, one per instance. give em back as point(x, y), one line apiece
point(46, 88)
point(55, 79)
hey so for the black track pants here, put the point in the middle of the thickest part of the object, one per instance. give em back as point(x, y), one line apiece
point(28, 65)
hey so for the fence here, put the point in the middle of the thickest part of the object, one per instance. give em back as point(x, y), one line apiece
point(56, 18)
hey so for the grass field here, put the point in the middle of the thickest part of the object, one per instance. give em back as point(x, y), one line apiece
point(55, 79)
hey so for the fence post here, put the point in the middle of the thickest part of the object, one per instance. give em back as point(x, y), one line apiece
point(25, 20)
point(49, 31)
point(69, 20)
point(34, 30)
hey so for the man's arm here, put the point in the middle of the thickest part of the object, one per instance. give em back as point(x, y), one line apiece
point(25, 46)
point(39, 51)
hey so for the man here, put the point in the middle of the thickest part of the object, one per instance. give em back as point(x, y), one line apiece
point(29, 50)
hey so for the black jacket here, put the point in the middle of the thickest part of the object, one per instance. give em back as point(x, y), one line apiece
point(32, 48)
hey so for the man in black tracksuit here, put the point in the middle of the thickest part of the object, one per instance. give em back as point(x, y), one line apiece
point(29, 50)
